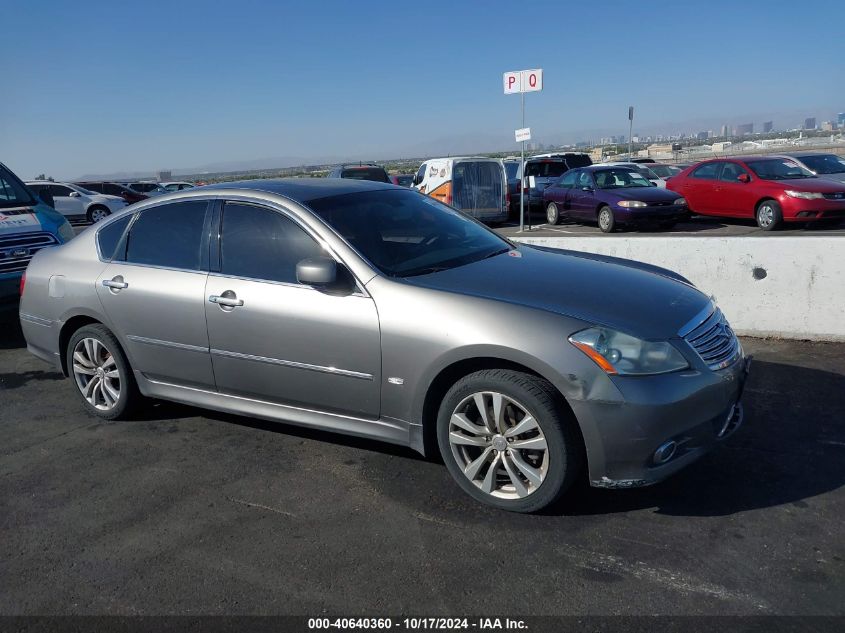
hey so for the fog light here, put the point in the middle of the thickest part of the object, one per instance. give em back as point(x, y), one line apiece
point(665, 452)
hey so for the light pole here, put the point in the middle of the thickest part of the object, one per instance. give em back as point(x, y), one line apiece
point(630, 132)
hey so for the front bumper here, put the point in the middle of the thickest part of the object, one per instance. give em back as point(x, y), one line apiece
point(798, 210)
point(695, 410)
point(644, 215)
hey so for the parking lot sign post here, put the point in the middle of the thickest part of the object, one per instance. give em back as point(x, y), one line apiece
point(522, 81)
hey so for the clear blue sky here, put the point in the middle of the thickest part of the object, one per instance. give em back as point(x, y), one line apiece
point(109, 86)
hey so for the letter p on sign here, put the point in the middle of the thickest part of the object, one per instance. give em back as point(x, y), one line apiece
point(523, 81)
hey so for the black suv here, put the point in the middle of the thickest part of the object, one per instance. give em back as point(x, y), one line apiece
point(547, 170)
point(113, 189)
point(361, 171)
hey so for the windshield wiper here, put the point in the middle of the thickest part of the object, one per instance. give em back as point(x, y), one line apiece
point(424, 271)
point(494, 253)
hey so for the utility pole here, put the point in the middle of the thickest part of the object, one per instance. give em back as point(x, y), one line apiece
point(630, 132)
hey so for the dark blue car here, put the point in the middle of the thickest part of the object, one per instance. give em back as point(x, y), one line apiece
point(612, 196)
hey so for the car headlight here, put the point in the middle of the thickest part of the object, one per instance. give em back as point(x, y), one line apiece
point(628, 204)
point(681, 202)
point(804, 195)
point(618, 353)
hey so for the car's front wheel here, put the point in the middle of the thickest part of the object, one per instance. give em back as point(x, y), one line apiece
point(101, 372)
point(508, 440)
point(606, 219)
point(769, 215)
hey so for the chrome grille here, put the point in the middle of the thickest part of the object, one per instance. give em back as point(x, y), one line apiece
point(16, 250)
point(714, 341)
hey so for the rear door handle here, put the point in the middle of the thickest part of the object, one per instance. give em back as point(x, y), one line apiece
point(228, 302)
point(115, 283)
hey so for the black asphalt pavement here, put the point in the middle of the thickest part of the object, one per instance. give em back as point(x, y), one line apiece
point(186, 511)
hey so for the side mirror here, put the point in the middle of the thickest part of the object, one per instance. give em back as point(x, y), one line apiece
point(744, 178)
point(74, 194)
point(316, 271)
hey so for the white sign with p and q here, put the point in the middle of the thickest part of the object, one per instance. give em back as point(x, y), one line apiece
point(516, 81)
point(523, 134)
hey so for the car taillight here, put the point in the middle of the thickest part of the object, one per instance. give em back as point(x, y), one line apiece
point(508, 199)
point(23, 282)
point(449, 198)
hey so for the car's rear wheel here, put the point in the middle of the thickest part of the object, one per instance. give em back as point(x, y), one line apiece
point(552, 214)
point(508, 440)
point(101, 372)
point(769, 215)
point(95, 214)
point(606, 219)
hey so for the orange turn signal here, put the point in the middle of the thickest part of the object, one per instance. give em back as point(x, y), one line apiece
point(598, 359)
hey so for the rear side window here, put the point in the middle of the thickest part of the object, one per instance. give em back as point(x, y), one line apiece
point(259, 243)
point(708, 170)
point(109, 236)
point(169, 235)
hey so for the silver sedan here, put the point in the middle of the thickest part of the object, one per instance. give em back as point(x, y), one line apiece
point(372, 310)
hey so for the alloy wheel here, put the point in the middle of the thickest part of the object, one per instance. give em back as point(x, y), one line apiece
point(98, 214)
point(765, 215)
point(96, 374)
point(551, 213)
point(498, 445)
point(604, 219)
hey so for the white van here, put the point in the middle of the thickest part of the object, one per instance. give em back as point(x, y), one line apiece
point(475, 186)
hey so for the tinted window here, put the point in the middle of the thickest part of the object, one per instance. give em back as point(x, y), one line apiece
point(260, 243)
point(568, 180)
point(584, 180)
point(708, 170)
point(169, 235)
point(730, 172)
point(824, 163)
point(109, 236)
point(478, 185)
point(779, 169)
point(94, 186)
point(421, 173)
point(59, 191)
point(511, 170)
point(366, 173)
point(405, 233)
point(578, 161)
point(546, 169)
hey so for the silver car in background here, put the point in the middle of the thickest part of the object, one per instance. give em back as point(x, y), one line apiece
point(374, 310)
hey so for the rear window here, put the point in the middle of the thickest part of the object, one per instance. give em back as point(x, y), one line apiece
point(578, 161)
point(365, 173)
point(546, 169)
point(12, 192)
point(478, 186)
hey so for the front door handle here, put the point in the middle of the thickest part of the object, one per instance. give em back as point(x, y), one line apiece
point(227, 300)
point(115, 283)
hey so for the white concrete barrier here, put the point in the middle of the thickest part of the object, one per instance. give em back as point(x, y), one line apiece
point(767, 286)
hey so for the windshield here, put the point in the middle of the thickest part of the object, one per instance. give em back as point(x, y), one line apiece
point(778, 169)
point(665, 171)
point(406, 233)
point(645, 171)
point(619, 178)
point(13, 193)
point(824, 163)
point(83, 190)
point(366, 173)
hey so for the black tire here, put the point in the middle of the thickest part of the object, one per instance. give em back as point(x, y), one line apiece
point(606, 219)
point(669, 224)
point(98, 212)
point(769, 215)
point(545, 405)
point(552, 214)
point(129, 397)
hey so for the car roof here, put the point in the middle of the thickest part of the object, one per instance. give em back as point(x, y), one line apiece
point(605, 166)
point(303, 190)
point(804, 154)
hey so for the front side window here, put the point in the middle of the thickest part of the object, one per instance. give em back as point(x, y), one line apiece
point(260, 243)
point(707, 171)
point(420, 173)
point(620, 178)
point(404, 233)
point(584, 180)
point(730, 172)
point(60, 191)
point(169, 235)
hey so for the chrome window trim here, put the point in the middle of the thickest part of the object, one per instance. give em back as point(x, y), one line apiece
point(160, 343)
point(177, 270)
point(294, 364)
point(358, 292)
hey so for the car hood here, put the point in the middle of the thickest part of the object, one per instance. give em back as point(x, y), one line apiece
point(643, 194)
point(840, 177)
point(819, 184)
point(639, 299)
point(102, 197)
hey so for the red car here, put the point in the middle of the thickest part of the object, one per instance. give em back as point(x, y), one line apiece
point(770, 189)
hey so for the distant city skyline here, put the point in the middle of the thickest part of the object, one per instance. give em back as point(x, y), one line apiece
point(221, 83)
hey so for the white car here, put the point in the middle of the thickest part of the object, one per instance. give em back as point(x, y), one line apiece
point(643, 168)
point(177, 185)
point(76, 203)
